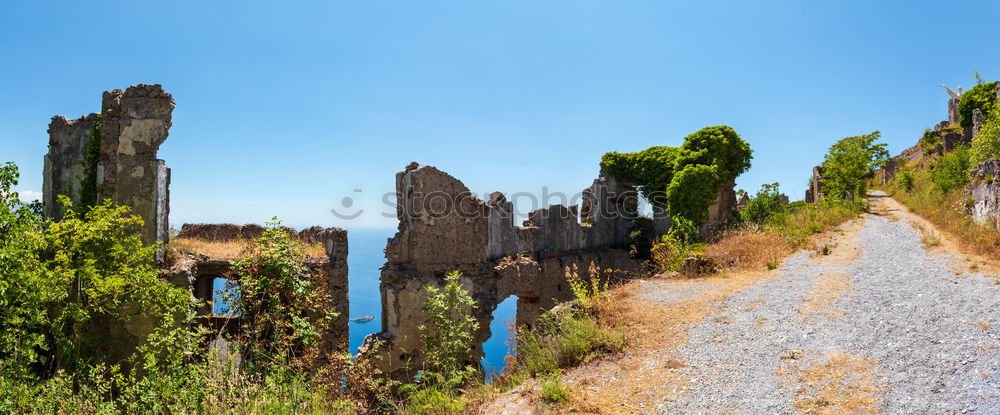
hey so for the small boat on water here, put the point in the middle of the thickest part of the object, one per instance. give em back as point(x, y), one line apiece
point(363, 319)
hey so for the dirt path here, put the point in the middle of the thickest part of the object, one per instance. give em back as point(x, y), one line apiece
point(882, 324)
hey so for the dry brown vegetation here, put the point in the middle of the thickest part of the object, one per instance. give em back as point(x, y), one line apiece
point(646, 373)
point(749, 248)
point(755, 248)
point(829, 287)
point(946, 211)
point(838, 384)
point(227, 249)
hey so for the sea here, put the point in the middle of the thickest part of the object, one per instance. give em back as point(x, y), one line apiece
point(365, 257)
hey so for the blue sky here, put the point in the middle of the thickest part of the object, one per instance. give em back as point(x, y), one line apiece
point(285, 109)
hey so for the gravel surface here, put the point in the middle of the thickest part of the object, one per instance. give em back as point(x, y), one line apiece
point(932, 334)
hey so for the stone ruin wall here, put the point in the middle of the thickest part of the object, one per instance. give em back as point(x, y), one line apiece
point(133, 125)
point(815, 191)
point(983, 190)
point(444, 228)
point(197, 274)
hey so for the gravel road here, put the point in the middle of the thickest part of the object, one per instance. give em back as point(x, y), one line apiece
point(904, 328)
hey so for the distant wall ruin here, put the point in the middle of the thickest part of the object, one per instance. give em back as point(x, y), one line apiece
point(121, 165)
point(444, 228)
point(815, 191)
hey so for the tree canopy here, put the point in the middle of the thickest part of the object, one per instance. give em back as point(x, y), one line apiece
point(851, 162)
point(684, 180)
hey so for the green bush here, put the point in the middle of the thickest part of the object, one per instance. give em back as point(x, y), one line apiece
point(951, 170)
point(982, 96)
point(449, 336)
point(986, 143)
point(434, 401)
point(763, 205)
point(906, 180)
point(562, 338)
point(684, 180)
point(929, 141)
point(553, 389)
point(668, 254)
point(284, 308)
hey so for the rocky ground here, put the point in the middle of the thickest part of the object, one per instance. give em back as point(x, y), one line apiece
point(882, 324)
point(891, 327)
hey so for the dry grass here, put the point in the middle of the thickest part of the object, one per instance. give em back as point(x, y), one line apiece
point(227, 249)
point(839, 384)
point(748, 249)
point(829, 287)
point(947, 213)
point(756, 248)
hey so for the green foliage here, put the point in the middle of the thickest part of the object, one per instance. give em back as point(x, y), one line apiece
point(101, 270)
point(62, 280)
point(792, 206)
point(448, 338)
point(562, 338)
point(693, 190)
point(986, 143)
point(434, 401)
point(906, 180)
point(590, 291)
point(66, 287)
point(284, 308)
point(982, 96)
point(91, 157)
point(24, 295)
point(684, 180)
point(850, 163)
point(650, 170)
point(929, 141)
point(669, 253)
point(553, 389)
point(796, 225)
point(763, 205)
point(951, 170)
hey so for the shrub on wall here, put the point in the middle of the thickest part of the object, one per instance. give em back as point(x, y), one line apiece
point(982, 96)
point(986, 143)
point(684, 180)
point(285, 309)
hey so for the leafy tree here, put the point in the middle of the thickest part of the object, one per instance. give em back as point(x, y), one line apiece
point(684, 180)
point(62, 281)
point(23, 283)
point(763, 205)
point(850, 163)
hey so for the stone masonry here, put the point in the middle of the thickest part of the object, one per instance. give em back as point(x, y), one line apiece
point(444, 228)
point(133, 124)
point(197, 273)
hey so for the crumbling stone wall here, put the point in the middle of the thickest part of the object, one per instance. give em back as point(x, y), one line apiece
point(444, 228)
point(224, 232)
point(133, 124)
point(984, 189)
point(815, 191)
point(197, 274)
